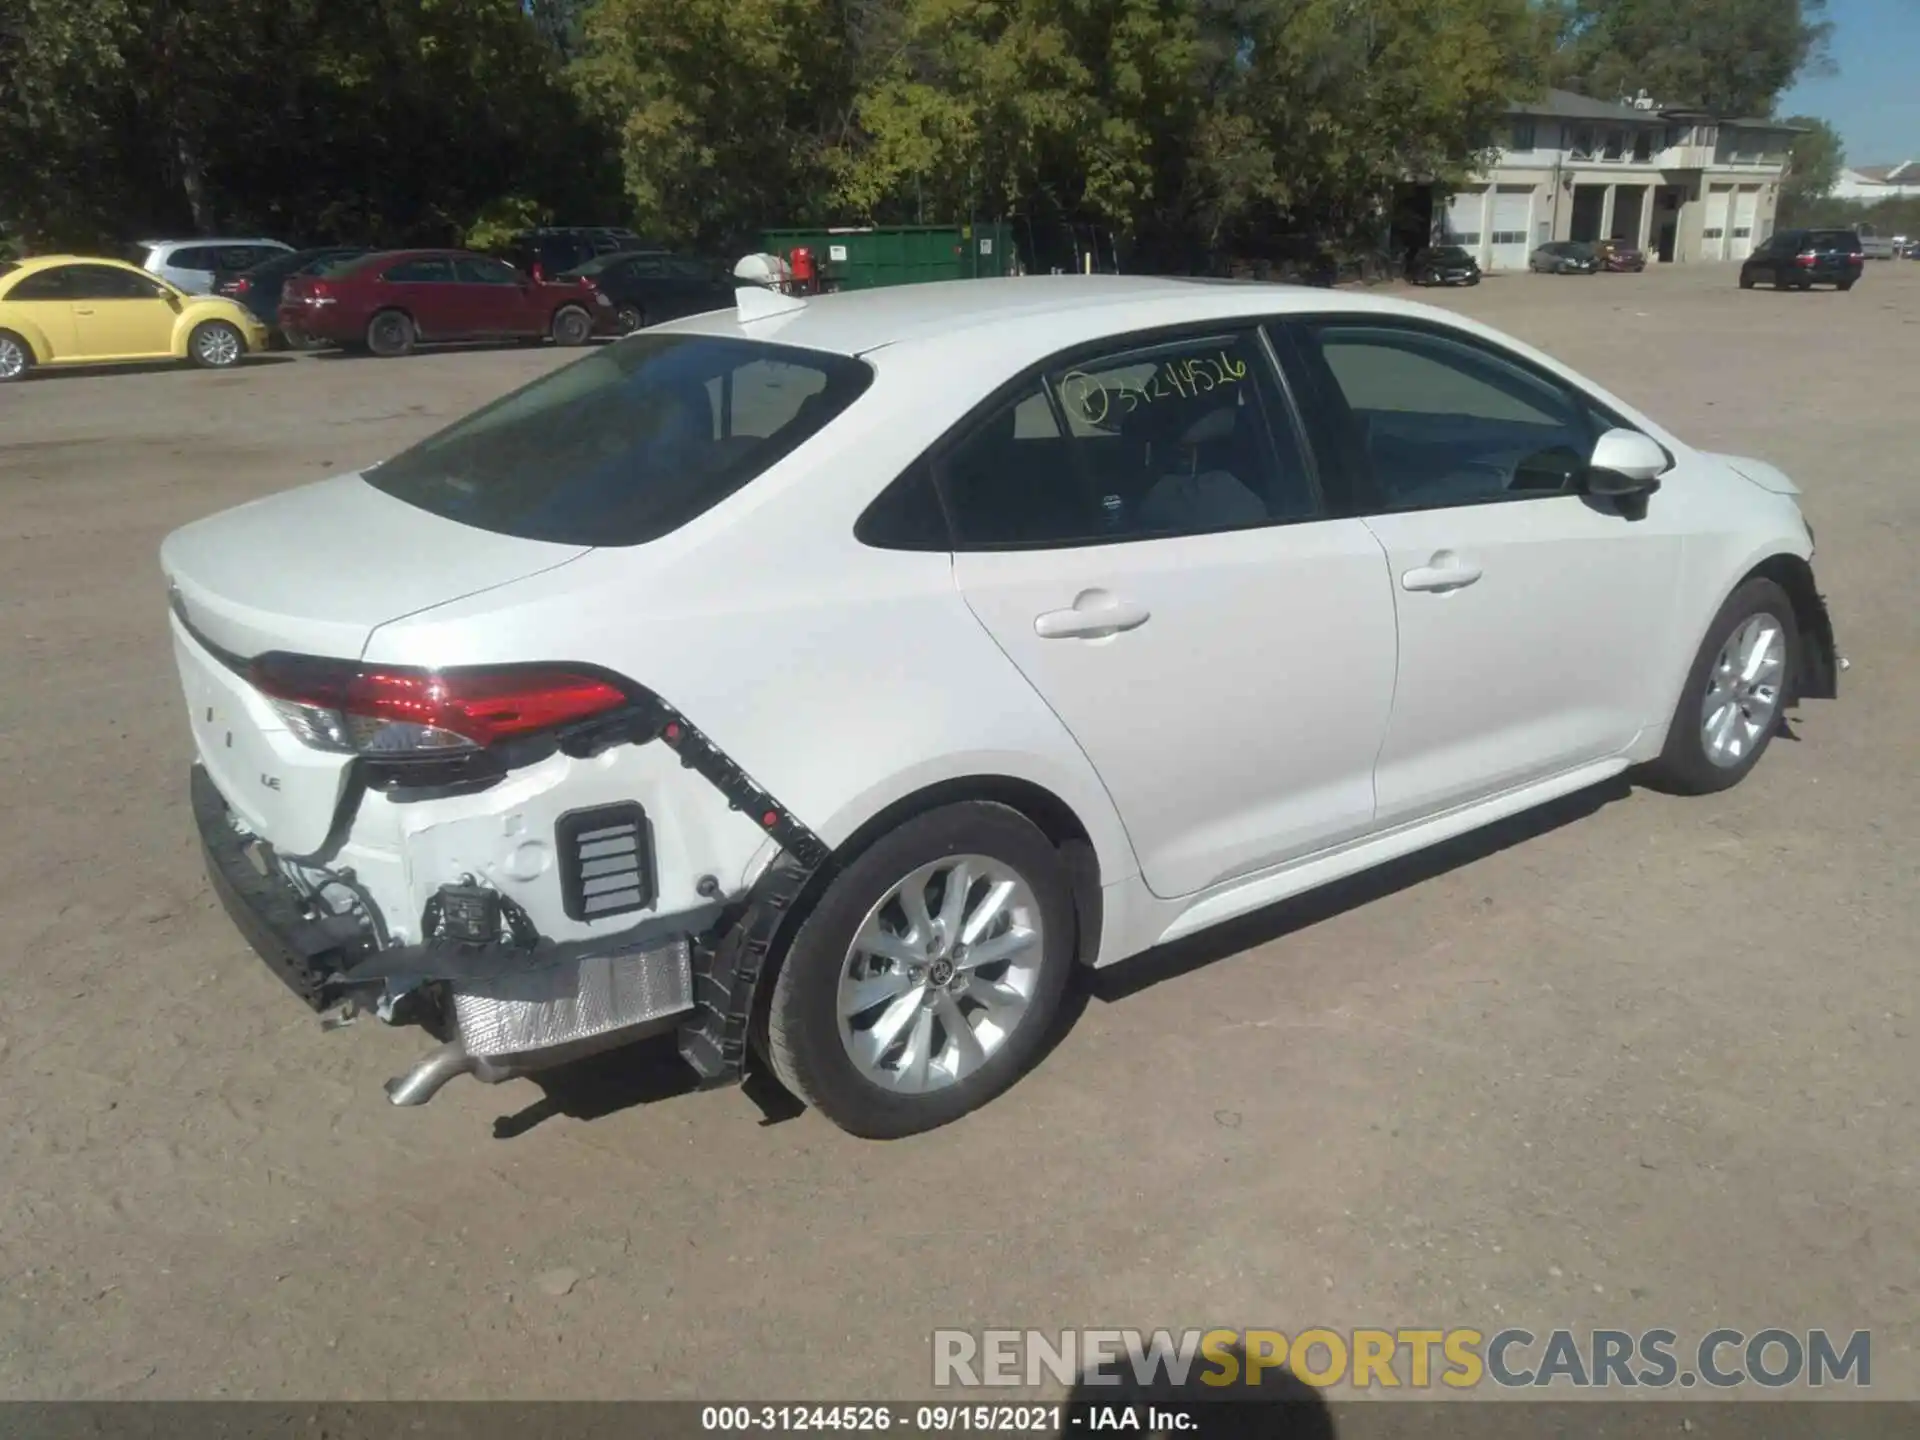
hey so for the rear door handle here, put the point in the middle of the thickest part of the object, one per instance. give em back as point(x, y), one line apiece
point(1446, 571)
point(1094, 615)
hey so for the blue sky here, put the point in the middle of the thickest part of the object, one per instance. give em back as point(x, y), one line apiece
point(1874, 99)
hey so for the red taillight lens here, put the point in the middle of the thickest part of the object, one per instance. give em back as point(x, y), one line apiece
point(354, 709)
point(1808, 259)
point(237, 287)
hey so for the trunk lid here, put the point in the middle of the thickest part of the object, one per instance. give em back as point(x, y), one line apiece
point(315, 570)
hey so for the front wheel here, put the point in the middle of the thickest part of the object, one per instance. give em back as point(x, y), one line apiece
point(216, 345)
point(1746, 279)
point(571, 325)
point(1735, 693)
point(925, 981)
point(627, 319)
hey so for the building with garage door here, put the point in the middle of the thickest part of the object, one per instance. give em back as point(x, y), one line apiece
point(1678, 183)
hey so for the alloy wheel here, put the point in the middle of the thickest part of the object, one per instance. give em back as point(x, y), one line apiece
point(940, 973)
point(216, 345)
point(1743, 690)
point(13, 358)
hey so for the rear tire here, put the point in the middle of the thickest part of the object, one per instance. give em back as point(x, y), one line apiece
point(629, 318)
point(1746, 280)
point(1724, 719)
point(571, 326)
point(391, 334)
point(1846, 285)
point(16, 357)
point(216, 345)
point(916, 1073)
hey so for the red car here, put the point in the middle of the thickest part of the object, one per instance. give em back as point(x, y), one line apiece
point(389, 302)
point(1619, 255)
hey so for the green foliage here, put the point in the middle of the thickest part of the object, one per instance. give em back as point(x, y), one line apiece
point(1732, 57)
point(1815, 162)
point(1884, 217)
point(386, 120)
point(1185, 126)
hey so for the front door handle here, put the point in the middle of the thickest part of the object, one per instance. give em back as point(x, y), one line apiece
point(1446, 571)
point(78, 310)
point(1094, 615)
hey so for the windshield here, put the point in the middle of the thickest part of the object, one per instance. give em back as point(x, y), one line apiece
point(1449, 252)
point(628, 444)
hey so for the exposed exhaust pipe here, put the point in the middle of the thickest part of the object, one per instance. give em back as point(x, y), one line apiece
point(423, 1081)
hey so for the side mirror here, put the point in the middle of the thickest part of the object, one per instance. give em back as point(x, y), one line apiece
point(1625, 462)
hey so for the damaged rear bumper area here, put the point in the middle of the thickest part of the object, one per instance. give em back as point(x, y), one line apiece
point(502, 1008)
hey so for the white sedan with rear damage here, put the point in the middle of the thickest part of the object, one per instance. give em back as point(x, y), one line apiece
point(820, 681)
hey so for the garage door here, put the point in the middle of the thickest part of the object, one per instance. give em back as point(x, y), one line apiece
point(1746, 207)
point(1465, 213)
point(1713, 235)
point(1512, 221)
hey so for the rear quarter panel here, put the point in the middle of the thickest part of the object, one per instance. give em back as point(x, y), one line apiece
point(841, 677)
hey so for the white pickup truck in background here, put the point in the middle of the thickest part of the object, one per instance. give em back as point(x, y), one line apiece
point(1884, 247)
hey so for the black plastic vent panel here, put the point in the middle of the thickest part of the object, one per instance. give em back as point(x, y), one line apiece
point(606, 861)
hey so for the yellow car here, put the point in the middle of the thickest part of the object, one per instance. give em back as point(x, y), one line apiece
point(77, 310)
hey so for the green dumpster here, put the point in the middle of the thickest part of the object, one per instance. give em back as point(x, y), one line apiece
point(863, 258)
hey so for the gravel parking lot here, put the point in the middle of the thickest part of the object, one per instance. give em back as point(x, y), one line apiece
point(1638, 1062)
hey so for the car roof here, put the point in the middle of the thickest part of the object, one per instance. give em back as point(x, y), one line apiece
point(212, 240)
point(1040, 313)
point(42, 262)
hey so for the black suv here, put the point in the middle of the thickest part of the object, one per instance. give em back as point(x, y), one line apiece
point(555, 249)
point(1801, 259)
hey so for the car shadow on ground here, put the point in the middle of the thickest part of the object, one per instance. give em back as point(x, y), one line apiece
point(1270, 1405)
point(40, 375)
point(652, 1069)
point(1181, 957)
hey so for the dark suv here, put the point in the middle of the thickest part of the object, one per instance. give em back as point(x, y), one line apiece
point(1801, 259)
point(555, 249)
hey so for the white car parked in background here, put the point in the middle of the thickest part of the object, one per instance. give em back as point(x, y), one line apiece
point(196, 265)
point(820, 680)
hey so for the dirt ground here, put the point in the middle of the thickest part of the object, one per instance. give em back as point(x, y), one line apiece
point(1638, 1062)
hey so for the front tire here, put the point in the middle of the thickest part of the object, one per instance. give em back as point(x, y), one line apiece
point(571, 326)
point(1746, 279)
point(216, 345)
point(1735, 695)
point(390, 334)
point(927, 978)
point(629, 318)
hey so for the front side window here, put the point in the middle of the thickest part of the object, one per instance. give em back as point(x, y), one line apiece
point(1169, 439)
point(1446, 421)
point(477, 270)
point(628, 444)
point(421, 272)
point(109, 282)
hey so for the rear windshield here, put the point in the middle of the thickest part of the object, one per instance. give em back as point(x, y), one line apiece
point(628, 444)
point(1833, 240)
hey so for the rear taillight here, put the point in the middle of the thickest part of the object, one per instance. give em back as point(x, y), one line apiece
point(1807, 258)
point(1857, 256)
point(353, 709)
point(539, 272)
point(238, 286)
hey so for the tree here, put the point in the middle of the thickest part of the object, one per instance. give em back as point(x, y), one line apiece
point(1814, 163)
point(1731, 57)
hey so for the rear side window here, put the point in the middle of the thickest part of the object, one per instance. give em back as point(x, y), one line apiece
point(44, 285)
point(628, 444)
point(415, 272)
point(194, 257)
